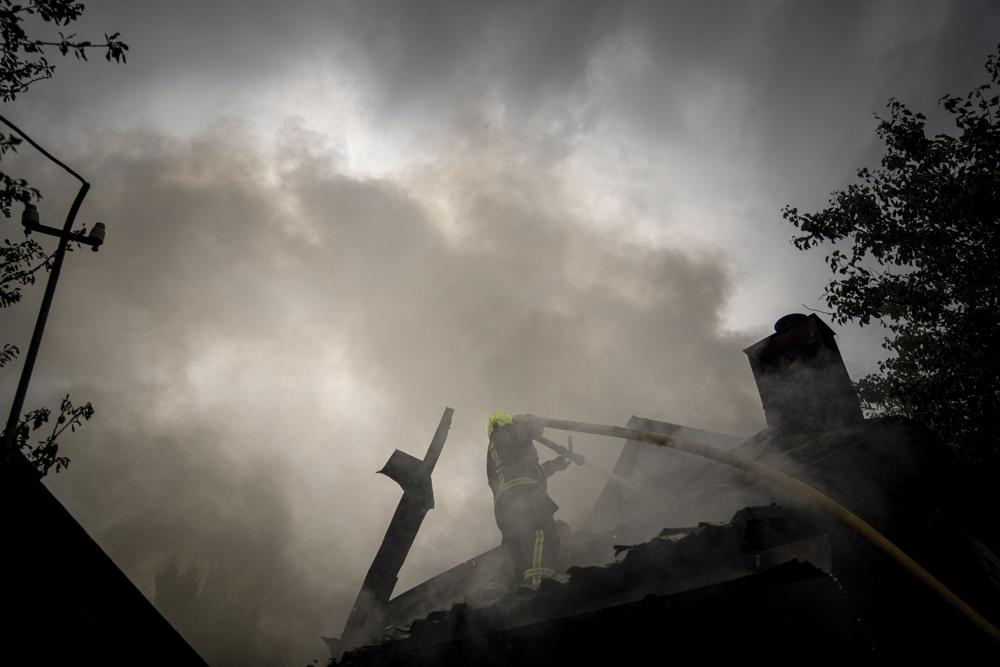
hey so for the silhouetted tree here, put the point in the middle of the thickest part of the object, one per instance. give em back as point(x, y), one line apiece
point(23, 62)
point(916, 248)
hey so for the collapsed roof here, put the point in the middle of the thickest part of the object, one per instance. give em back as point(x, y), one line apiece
point(809, 581)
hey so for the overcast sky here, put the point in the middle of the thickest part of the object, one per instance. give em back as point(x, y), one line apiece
point(329, 220)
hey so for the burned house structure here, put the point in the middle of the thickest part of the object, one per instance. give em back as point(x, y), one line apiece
point(723, 563)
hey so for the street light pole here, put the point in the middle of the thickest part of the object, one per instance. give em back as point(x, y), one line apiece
point(65, 235)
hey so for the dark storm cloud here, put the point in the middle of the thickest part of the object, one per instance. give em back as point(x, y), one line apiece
point(411, 60)
point(785, 90)
point(431, 55)
point(428, 53)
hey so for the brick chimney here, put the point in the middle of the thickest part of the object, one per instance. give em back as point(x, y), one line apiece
point(801, 377)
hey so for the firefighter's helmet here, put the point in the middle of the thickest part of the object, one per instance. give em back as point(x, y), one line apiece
point(498, 419)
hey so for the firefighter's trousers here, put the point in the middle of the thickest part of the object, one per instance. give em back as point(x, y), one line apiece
point(524, 516)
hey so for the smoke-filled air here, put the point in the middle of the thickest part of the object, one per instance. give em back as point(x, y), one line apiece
point(328, 222)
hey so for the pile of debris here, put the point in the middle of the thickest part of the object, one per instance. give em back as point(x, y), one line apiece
point(765, 575)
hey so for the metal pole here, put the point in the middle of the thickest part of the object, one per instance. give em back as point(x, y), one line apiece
point(43, 314)
point(9, 439)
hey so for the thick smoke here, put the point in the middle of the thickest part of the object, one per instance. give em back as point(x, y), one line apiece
point(262, 330)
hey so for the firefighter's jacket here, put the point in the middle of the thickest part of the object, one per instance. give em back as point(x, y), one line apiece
point(515, 474)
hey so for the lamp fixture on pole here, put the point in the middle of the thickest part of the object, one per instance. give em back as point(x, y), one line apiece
point(32, 223)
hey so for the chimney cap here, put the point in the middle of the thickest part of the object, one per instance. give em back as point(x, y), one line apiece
point(788, 321)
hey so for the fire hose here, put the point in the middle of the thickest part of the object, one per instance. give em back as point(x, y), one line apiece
point(789, 483)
